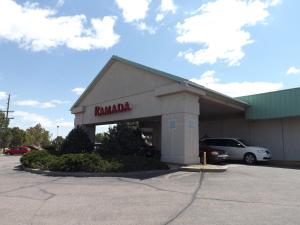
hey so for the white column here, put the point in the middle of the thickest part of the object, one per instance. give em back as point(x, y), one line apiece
point(180, 128)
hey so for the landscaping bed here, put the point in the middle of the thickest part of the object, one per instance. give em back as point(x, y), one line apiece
point(90, 162)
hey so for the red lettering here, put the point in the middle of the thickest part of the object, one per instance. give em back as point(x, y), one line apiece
point(114, 109)
point(127, 107)
point(111, 109)
point(101, 111)
point(97, 111)
point(107, 110)
point(120, 107)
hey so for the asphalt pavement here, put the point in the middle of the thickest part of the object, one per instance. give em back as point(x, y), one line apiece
point(243, 195)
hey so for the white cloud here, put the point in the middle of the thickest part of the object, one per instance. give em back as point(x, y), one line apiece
point(159, 17)
point(133, 10)
point(60, 3)
point(25, 120)
point(142, 26)
point(78, 90)
point(166, 6)
point(219, 28)
point(38, 104)
point(38, 29)
point(62, 123)
point(293, 70)
point(3, 95)
point(235, 89)
point(31, 119)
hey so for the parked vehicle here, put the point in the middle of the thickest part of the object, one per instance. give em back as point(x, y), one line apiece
point(239, 149)
point(213, 155)
point(31, 147)
point(17, 150)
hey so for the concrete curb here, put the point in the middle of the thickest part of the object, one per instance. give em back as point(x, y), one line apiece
point(202, 168)
point(108, 174)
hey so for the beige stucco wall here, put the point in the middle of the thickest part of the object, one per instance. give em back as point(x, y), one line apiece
point(149, 95)
point(123, 83)
point(281, 136)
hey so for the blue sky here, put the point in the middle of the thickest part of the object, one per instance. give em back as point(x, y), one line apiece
point(51, 50)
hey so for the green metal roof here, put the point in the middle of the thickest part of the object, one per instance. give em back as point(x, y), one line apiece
point(271, 105)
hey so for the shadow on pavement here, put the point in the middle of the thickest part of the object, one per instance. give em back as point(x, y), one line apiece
point(272, 163)
point(141, 175)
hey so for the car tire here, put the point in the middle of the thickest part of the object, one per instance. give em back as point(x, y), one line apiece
point(250, 158)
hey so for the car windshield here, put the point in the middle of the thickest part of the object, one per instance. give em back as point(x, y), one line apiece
point(243, 142)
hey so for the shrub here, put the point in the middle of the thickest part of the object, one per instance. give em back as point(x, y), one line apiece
point(77, 141)
point(82, 162)
point(52, 149)
point(89, 162)
point(36, 159)
point(136, 163)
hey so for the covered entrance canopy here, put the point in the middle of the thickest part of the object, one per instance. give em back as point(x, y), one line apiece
point(170, 105)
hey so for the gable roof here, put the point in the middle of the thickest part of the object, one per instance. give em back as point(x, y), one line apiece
point(175, 78)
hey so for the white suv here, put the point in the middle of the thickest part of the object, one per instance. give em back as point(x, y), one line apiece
point(238, 149)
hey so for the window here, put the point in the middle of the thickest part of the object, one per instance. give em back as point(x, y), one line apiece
point(214, 142)
point(172, 124)
point(210, 141)
point(243, 142)
point(223, 142)
point(232, 143)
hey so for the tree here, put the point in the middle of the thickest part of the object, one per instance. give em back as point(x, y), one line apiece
point(18, 137)
point(100, 137)
point(77, 141)
point(124, 138)
point(38, 136)
point(55, 147)
point(58, 141)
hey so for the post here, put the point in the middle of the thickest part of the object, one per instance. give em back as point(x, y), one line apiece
point(204, 158)
point(57, 131)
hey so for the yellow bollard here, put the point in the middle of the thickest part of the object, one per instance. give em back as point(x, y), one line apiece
point(204, 158)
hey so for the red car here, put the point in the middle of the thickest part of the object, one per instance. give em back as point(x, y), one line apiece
point(17, 151)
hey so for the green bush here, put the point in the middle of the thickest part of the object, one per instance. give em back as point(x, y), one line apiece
point(36, 159)
point(77, 141)
point(89, 162)
point(82, 163)
point(138, 163)
point(52, 149)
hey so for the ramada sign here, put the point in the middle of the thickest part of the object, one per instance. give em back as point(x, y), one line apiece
point(112, 109)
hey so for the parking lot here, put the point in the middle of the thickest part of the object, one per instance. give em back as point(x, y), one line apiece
point(242, 195)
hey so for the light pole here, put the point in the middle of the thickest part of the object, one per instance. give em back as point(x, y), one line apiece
point(57, 131)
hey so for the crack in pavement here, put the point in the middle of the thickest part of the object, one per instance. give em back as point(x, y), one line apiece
point(31, 185)
point(194, 197)
point(153, 187)
point(20, 196)
point(248, 202)
point(31, 198)
point(51, 195)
